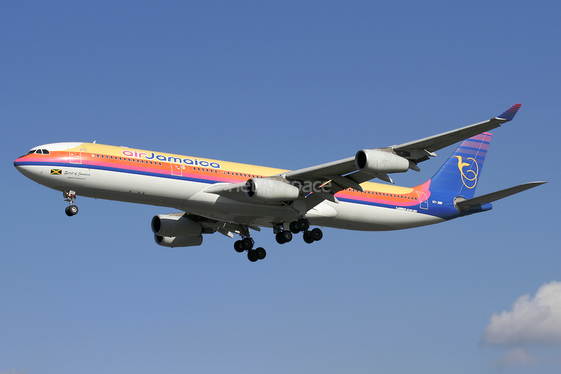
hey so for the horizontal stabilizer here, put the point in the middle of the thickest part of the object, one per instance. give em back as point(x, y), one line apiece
point(465, 205)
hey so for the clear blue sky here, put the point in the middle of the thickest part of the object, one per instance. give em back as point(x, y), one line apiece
point(291, 85)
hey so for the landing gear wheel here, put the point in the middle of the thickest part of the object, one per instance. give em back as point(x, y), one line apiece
point(252, 255)
point(238, 246)
point(303, 224)
point(308, 237)
point(246, 244)
point(316, 234)
point(283, 237)
point(261, 253)
point(294, 227)
point(71, 210)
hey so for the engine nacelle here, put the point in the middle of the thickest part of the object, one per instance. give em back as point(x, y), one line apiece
point(175, 226)
point(375, 161)
point(262, 189)
point(178, 241)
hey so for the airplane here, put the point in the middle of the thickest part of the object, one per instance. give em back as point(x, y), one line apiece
point(235, 199)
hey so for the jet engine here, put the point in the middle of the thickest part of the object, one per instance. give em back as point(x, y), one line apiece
point(169, 225)
point(269, 190)
point(376, 161)
point(178, 241)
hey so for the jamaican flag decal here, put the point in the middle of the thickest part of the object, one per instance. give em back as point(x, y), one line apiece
point(56, 171)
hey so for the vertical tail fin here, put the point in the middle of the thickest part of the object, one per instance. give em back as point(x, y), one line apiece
point(460, 173)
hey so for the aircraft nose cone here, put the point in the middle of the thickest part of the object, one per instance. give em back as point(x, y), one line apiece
point(17, 162)
point(22, 166)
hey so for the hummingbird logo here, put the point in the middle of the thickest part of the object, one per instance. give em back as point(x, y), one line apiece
point(469, 175)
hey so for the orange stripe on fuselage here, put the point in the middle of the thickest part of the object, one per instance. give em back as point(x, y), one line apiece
point(155, 163)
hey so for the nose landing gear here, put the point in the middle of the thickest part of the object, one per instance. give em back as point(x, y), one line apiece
point(70, 196)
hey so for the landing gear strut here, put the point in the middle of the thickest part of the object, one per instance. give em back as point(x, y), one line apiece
point(70, 196)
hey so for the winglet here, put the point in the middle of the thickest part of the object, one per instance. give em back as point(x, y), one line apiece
point(509, 114)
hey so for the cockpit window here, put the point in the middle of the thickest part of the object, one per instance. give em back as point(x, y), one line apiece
point(39, 151)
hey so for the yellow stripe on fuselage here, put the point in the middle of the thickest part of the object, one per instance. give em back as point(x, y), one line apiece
point(233, 169)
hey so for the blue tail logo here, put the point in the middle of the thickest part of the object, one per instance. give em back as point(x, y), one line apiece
point(469, 175)
point(460, 173)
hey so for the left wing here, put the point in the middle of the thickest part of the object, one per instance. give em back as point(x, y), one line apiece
point(420, 150)
point(350, 172)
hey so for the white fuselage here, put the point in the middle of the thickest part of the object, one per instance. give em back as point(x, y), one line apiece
point(190, 196)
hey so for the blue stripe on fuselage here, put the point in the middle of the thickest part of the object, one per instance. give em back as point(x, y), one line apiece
point(121, 170)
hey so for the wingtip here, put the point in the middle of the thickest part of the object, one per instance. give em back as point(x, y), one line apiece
point(533, 184)
point(511, 112)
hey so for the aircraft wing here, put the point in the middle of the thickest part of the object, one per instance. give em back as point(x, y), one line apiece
point(211, 226)
point(345, 173)
point(419, 150)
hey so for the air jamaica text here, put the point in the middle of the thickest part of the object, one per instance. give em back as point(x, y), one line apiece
point(177, 160)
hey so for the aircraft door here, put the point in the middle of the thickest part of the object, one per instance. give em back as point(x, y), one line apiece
point(75, 157)
point(176, 169)
point(424, 202)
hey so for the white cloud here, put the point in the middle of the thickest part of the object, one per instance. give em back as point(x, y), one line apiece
point(516, 356)
point(531, 320)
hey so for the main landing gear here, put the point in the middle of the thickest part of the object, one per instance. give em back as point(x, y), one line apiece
point(282, 237)
point(302, 225)
point(246, 244)
point(70, 196)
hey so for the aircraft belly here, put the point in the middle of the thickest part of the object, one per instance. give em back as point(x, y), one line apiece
point(190, 197)
point(343, 215)
point(360, 217)
point(221, 208)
